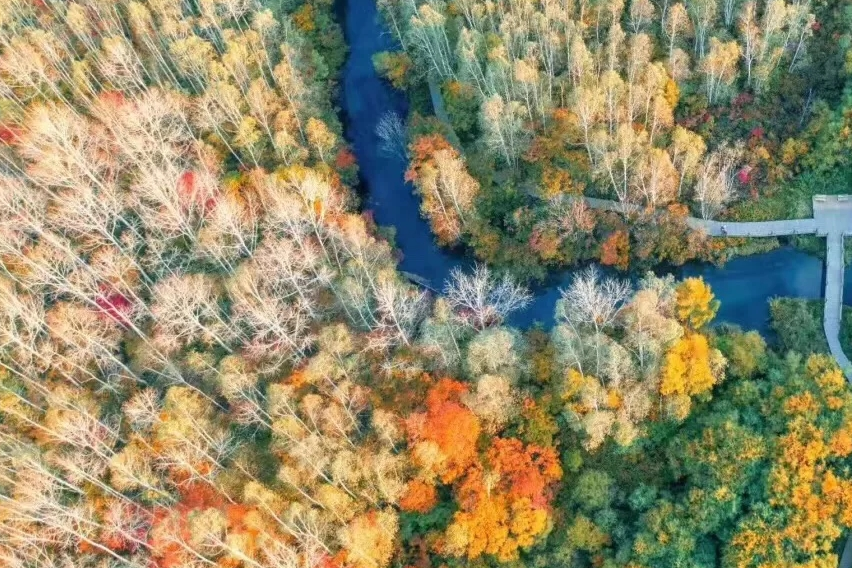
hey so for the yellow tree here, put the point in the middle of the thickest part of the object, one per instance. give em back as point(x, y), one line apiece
point(369, 539)
point(447, 189)
point(686, 149)
point(720, 67)
point(696, 305)
point(677, 24)
point(688, 369)
point(320, 137)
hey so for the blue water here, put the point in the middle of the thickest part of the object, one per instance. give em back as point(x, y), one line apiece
point(366, 98)
point(744, 285)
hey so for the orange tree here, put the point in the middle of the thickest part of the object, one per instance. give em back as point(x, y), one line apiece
point(497, 492)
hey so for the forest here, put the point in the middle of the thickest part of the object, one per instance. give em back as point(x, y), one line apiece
point(735, 109)
point(210, 358)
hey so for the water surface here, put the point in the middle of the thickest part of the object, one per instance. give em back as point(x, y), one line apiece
point(744, 285)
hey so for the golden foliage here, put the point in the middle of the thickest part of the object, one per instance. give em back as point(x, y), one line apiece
point(370, 539)
point(687, 368)
point(696, 305)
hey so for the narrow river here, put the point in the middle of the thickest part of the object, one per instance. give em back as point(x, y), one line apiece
point(744, 285)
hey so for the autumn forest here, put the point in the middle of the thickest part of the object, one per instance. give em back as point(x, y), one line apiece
point(210, 357)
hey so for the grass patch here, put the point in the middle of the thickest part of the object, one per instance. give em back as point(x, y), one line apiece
point(793, 200)
point(797, 324)
point(750, 245)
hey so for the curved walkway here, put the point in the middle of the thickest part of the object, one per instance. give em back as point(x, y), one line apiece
point(834, 299)
point(832, 219)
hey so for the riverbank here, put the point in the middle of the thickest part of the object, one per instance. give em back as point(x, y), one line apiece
point(744, 285)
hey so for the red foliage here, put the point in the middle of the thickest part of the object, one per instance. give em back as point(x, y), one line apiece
point(113, 98)
point(114, 305)
point(186, 184)
point(757, 132)
point(744, 175)
point(9, 134)
point(345, 159)
point(188, 194)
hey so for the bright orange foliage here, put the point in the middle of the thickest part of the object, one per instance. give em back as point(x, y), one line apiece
point(525, 472)
point(505, 505)
point(491, 522)
point(444, 390)
point(419, 497)
point(451, 427)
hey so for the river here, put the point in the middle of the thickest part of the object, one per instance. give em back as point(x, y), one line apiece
point(743, 286)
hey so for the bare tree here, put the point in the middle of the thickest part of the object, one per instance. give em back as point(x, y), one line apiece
point(482, 299)
point(593, 301)
point(401, 308)
point(391, 131)
point(715, 183)
point(186, 309)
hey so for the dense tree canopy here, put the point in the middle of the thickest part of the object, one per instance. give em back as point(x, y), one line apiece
point(209, 357)
point(711, 107)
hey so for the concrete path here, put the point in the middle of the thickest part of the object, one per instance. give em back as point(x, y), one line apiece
point(833, 216)
point(722, 228)
point(834, 299)
point(832, 219)
point(846, 555)
point(755, 229)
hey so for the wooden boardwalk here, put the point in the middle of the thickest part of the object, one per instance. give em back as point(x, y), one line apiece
point(834, 299)
point(832, 219)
